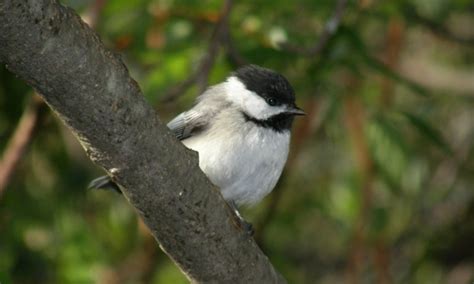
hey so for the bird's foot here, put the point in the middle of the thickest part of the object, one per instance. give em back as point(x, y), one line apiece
point(104, 183)
point(247, 227)
point(240, 221)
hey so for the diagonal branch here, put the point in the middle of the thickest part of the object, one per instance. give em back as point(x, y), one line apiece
point(436, 28)
point(201, 74)
point(93, 13)
point(329, 30)
point(91, 91)
point(232, 53)
point(20, 140)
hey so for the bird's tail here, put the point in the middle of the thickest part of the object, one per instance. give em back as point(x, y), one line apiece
point(104, 182)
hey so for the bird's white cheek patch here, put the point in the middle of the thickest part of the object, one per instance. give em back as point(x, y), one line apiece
point(250, 102)
point(254, 105)
point(236, 91)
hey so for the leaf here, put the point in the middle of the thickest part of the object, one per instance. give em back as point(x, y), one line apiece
point(428, 131)
point(390, 152)
point(393, 133)
point(379, 219)
point(393, 185)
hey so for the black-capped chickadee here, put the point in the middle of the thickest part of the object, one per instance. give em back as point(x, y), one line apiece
point(241, 130)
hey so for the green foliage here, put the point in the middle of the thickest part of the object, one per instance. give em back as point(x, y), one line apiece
point(384, 161)
point(428, 131)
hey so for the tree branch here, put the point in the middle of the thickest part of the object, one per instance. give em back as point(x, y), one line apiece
point(329, 30)
point(436, 28)
point(20, 140)
point(232, 53)
point(90, 89)
point(201, 74)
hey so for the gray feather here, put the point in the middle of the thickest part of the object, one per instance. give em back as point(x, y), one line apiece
point(197, 119)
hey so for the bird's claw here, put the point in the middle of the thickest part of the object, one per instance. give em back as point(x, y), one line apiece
point(240, 221)
point(247, 227)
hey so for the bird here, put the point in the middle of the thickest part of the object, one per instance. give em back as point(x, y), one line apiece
point(241, 130)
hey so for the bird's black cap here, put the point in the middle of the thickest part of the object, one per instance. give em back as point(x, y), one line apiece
point(276, 90)
point(266, 83)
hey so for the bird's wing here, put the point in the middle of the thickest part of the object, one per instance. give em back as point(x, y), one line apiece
point(197, 119)
point(187, 124)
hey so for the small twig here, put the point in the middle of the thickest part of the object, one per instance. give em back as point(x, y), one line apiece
point(354, 120)
point(212, 51)
point(232, 53)
point(201, 75)
point(20, 140)
point(391, 57)
point(381, 259)
point(330, 29)
point(177, 90)
point(92, 15)
point(436, 28)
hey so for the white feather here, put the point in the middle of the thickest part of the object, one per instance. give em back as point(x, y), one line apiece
point(253, 104)
point(244, 160)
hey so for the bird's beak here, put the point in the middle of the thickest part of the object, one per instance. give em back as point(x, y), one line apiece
point(294, 110)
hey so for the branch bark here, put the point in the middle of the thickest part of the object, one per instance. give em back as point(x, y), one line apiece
point(90, 89)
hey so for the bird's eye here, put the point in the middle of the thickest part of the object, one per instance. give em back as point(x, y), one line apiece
point(271, 101)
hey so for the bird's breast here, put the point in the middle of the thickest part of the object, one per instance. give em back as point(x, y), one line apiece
point(242, 159)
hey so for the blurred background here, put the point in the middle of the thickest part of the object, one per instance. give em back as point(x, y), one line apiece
point(379, 183)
